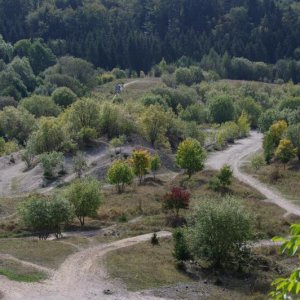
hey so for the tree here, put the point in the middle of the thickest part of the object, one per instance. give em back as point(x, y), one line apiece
point(285, 151)
point(190, 156)
point(214, 221)
point(293, 134)
point(252, 109)
point(7, 101)
point(40, 106)
point(154, 124)
point(85, 195)
point(221, 109)
point(181, 248)
point(140, 160)
point(243, 124)
point(286, 288)
point(16, 123)
point(63, 96)
point(155, 164)
point(49, 136)
point(50, 161)
point(175, 200)
point(44, 215)
point(257, 161)
point(120, 174)
point(79, 164)
point(28, 154)
point(222, 180)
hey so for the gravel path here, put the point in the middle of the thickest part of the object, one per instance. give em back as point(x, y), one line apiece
point(236, 155)
point(79, 277)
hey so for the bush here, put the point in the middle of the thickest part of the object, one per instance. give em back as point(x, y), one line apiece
point(120, 174)
point(107, 77)
point(222, 180)
point(190, 156)
point(175, 200)
point(7, 101)
point(221, 232)
point(257, 161)
point(118, 73)
point(85, 196)
point(181, 249)
point(50, 162)
point(63, 96)
point(221, 109)
point(40, 106)
point(44, 215)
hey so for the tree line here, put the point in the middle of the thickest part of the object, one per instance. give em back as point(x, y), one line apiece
point(136, 34)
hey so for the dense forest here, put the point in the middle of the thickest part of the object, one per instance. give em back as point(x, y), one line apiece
point(136, 34)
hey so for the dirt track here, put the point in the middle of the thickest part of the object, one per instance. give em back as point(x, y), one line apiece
point(79, 277)
point(236, 155)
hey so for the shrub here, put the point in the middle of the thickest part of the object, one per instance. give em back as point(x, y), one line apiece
point(41, 106)
point(64, 96)
point(190, 156)
point(154, 240)
point(222, 180)
point(118, 73)
point(285, 151)
point(107, 77)
point(244, 125)
point(175, 200)
point(155, 164)
point(79, 164)
point(85, 196)
point(221, 232)
point(7, 101)
point(140, 160)
point(44, 215)
point(221, 109)
point(120, 174)
point(181, 249)
point(50, 162)
point(257, 161)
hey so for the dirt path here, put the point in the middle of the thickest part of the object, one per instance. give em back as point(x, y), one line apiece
point(236, 155)
point(79, 277)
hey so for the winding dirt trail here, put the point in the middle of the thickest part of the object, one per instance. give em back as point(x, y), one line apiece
point(79, 277)
point(236, 155)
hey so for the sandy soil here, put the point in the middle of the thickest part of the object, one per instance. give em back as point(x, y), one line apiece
point(236, 155)
point(79, 277)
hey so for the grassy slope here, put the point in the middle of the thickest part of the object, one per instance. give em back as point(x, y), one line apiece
point(18, 272)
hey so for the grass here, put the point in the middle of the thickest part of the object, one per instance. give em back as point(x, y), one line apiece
point(145, 266)
point(17, 272)
point(268, 218)
point(287, 183)
point(45, 253)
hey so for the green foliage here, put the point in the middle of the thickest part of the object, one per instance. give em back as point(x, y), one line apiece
point(221, 109)
point(155, 164)
point(85, 196)
point(49, 136)
point(194, 112)
point(285, 151)
point(222, 180)
point(7, 101)
point(257, 161)
point(106, 78)
point(63, 96)
point(40, 106)
point(252, 109)
point(79, 164)
point(118, 73)
point(154, 124)
point(215, 220)
point(243, 124)
point(287, 288)
point(293, 134)
point(50, 162)
point(120, 174)
point(16, 123)
point(227, 133)
point(44, 215)
point(190, 156)
point(149, 100)
point(181, 248)
point(140, 161)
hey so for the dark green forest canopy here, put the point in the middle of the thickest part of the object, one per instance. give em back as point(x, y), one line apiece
point(137, 33)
